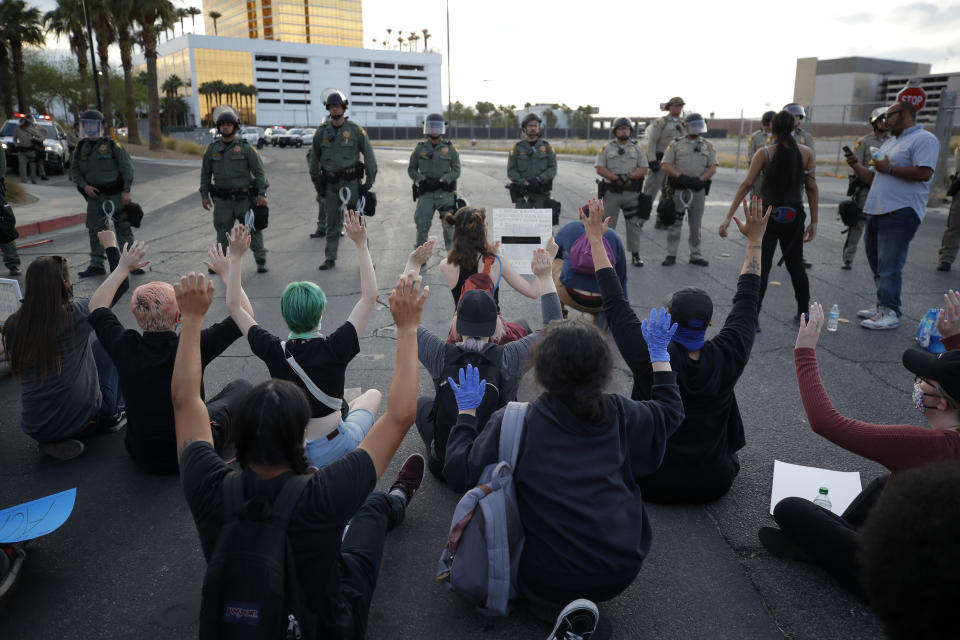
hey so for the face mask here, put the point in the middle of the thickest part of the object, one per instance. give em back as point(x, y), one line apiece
point(918, 396)
point(623, 138)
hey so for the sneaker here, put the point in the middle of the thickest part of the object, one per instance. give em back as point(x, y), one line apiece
point(327, 264)
point(806, 264)
point(636, 260)
point(943, 266)
point(577, 621)
point(847, 266)
point(885, 319)
point(700, 262)
point(115, 423)
point(867, 313)
point(669, 260)
point(92, 271)
point(319, 233)
point(62, 450)
point(410, 477)
point(262, 267)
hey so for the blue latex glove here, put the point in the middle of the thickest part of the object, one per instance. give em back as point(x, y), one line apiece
point(658, 331)
point(469, 393)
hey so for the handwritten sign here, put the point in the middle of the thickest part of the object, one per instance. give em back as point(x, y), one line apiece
point(519, 232)
point(9, 298)
point(36, 518)
point(794, 480)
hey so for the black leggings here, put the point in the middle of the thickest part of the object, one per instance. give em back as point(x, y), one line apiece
point(790, 237)
point(830, 540)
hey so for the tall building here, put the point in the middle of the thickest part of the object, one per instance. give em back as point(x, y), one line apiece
point(333, 22)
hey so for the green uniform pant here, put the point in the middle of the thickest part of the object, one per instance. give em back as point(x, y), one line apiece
point(694, 216)
point(332, 215)
point(11, 259)
point(612, 204)
point(856, 231)
point(27, 160)
point(951, 235)
point(441, 201)
point(97, 221)
point(226, 213)
point(533, 201)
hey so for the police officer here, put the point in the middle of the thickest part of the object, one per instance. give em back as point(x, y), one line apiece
point(862, 150)
point(531, 167)
point(758, 141)
point(103, 173)
point(434, 168)
point(231, 179)
point(11, 260)
point(660, 134)
point(28, 139)
point(950, 241)
point(336, 171)
point(622, 164)
point(799, 133)
point(690, 162)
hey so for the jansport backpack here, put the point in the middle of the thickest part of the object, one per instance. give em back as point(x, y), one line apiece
point(445, 410)
point(482, 553)
point(250, 590)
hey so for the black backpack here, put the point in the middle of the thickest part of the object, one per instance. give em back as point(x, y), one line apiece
point(445, 410)
point(251, 589)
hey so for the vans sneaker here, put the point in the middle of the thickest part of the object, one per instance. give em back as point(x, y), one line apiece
point(867, 313)
point(884, 319)
point(410, 477)
point(577, 621)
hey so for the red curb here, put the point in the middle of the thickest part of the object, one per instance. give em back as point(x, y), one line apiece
point(52, 224)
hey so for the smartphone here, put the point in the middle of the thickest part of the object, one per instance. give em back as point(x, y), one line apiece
point(847, 151)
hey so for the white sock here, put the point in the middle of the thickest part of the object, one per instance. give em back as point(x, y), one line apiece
point(400, 493)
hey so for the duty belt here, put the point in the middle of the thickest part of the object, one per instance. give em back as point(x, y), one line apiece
point(230, 194)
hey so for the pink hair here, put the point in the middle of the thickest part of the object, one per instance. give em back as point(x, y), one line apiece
point(154, 305)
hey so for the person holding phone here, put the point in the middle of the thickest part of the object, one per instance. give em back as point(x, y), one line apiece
point(861, 150)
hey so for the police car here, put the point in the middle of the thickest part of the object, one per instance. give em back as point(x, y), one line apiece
point(56, 147)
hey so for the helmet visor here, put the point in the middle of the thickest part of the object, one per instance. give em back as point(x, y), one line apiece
point(434, 127)
point(90, 128)
point(696, 127)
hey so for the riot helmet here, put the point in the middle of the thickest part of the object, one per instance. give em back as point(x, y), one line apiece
point(332, 97)
point(91, 124)
point(695, 124)
point(796, 109)
point(527, 119)
point(622, 122)
point(878, 114)
point(226, 114)
point(434, 125)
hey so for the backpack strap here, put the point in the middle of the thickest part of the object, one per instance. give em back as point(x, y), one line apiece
point(283, 506)
point(324, 399)
point(488, 264)
point(232, 495)
point(511, 431)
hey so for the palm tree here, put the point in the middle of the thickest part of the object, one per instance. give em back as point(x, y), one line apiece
point(412, 40)
point(389, 31)
point(148, 13)
point(6, 94)
point(193, 12)
point(20, 26)
point(426, 36)
point(400, 42)
point(101, 18)
point(215, 15)
point(67, 20)
point(123, 19)
point(181, 13)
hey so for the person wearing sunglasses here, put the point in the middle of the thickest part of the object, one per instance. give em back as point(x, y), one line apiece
point(899, 182)
point(811, 533)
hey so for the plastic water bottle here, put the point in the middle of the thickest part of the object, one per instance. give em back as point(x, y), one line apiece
point(823, 499)
point(875, 154)
point(928, 325)
point(833, 318)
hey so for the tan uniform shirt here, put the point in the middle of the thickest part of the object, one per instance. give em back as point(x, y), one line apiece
point(861, 149)
point(690, 157)
point(757, 142)
point(661, 133)
point(622, 158)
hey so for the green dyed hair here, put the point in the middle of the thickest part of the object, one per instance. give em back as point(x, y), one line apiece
point(301, 306)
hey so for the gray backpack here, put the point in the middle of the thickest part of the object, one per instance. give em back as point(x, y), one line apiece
point(480, 559)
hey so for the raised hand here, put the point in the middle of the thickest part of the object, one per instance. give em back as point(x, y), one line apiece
point(948, 321)
point(658, 331)
point(194, 295)
point(755, 220)
point(552, 248)
point(217, 261)
point(810, 326)
point(131, 258)
point(406, 301)
point(419, 256)
point(354, 228)
point(469, 393)
point(542, 263)
point(594, 223)
point(239, 240)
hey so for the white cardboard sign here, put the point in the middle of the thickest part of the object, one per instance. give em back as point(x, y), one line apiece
point(519, 232)
point(9, 298)
point(794, 480)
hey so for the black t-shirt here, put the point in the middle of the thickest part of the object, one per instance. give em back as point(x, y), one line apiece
point(324, 359)
point(336, 492)
point(145, 364)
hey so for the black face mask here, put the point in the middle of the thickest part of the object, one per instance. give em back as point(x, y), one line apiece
point(623, 138)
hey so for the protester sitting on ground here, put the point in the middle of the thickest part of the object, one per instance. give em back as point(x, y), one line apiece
point(337, 529)
point(314, 362)
point(788, 169)
point(68, 385)
point(701, 462)
point(573, 270)
point(808, 531)
point(581, 454)
point(501, 366)
point(145, 362)
point(910, 554)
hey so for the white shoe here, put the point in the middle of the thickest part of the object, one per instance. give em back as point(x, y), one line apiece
point(885, 319)
point(578, 620)
point(867, 313)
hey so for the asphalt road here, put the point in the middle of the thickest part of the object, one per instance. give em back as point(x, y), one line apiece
point(128, 562)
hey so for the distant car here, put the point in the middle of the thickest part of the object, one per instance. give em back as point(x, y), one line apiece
point(56, 147)
point(253, 135)
point(307, 136)
point(641, 128)
point(291, 138)
point(271, 135)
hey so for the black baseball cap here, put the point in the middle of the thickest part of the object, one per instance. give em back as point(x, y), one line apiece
point(691, 308)
point(477, 314)
point(943, 368)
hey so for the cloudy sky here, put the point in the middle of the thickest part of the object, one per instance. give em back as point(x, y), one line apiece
point(627, 57)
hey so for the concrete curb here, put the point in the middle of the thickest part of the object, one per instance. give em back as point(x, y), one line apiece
point(51, 224)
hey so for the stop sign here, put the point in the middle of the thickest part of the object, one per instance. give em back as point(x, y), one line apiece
point(914, 95)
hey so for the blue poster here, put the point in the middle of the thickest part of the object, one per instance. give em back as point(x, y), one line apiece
point(36, 518)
